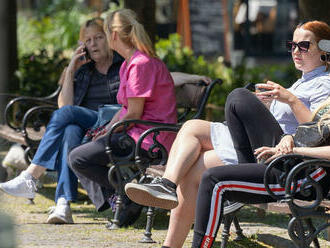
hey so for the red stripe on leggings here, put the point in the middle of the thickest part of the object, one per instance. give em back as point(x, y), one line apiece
point(206, 241)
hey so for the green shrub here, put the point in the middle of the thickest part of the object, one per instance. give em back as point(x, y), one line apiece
point(57, 32)
point(39, 72)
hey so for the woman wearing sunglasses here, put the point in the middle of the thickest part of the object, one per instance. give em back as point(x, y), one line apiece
point(201, 145)
point(245, 182)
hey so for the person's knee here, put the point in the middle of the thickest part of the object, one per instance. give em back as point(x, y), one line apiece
point(62, 114)
point(207, 176)
point(238, 96)
point(238, 100)
point(75, 160)
point(190, 127)
point(73, 131)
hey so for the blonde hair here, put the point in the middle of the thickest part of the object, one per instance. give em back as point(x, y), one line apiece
point(322, 113)
point(130, 31)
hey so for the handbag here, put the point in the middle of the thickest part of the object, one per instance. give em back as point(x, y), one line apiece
point(312, 134)
point(104, 115)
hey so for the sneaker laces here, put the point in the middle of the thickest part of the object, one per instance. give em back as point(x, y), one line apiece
point(157, 180)
point(31, 185)
point(51, 209)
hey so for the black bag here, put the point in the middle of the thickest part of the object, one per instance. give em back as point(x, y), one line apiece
point(312, 134)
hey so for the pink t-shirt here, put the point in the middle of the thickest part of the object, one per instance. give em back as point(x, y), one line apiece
point(149, 78)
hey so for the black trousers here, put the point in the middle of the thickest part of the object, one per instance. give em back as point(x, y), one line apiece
point(251, 126)
point(240, 183)
point(89, 162)
point(250, 123)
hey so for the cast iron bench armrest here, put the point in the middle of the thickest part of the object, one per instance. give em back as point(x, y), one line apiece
point(156, 150)
point(125, 124)
point(284, 163)
point(24, 101)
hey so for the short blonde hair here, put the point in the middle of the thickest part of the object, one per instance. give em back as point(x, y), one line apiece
point(130, 31)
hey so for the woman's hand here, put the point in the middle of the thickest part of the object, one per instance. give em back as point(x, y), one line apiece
point(78, 58)
point(275, 91)
point(267, 153)
point(204, 79)
point(180, 78)
point(286, 145)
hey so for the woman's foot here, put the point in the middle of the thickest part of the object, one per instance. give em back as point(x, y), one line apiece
point(61, 213)
point(154, 194)
point(23, 185)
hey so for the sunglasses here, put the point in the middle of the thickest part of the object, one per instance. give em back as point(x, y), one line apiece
point(303, 46)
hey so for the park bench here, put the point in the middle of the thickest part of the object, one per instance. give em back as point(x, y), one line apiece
point(191, 102)
point(26, 118)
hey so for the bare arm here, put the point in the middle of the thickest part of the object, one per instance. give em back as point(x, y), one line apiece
point(66, 94)
point(276, 91)
point(318, 152)
point(180, 78)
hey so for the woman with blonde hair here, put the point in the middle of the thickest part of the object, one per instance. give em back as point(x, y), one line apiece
point(146, 92)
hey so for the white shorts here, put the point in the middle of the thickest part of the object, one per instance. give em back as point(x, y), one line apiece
point(223, 143)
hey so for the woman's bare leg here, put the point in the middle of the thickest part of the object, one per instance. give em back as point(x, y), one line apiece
point(192, 139)
point(183, 215)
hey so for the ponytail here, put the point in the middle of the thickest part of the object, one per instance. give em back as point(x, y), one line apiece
point(140, 39)
point(130, 30)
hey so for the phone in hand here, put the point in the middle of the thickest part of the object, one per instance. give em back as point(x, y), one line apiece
point(86, 56)
point(260, 89)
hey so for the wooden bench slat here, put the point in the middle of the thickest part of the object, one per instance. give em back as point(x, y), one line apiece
point(11, 135)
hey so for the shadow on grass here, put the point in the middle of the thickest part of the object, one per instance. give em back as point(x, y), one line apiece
point(48, 191)
point(249, 214)
point(246, 242)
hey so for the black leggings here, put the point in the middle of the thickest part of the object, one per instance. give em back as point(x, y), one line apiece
point(242, 183)
point(250, 123)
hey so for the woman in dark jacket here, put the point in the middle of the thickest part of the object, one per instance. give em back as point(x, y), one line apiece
point(91, 80)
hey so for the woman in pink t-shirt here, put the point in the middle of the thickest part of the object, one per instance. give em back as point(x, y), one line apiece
point(146, 92)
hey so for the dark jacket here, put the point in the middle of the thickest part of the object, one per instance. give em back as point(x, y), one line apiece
point(83, 78)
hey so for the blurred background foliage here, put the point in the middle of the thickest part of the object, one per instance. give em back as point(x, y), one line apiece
point(47, 38)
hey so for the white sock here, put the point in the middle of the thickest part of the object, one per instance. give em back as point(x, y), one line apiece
point(62, 201)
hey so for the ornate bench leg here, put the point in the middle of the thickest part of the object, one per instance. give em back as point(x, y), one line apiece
point(227, 220)
point(147, 234)
point(239, 231)
point(312, 229)
point(114, 223)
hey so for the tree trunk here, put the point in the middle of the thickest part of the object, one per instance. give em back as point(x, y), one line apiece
point(314, 10)
point(8, 55)
point(145, 11)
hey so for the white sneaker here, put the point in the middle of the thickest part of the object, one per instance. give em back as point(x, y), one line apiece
point(61, 214)
point(21, 186)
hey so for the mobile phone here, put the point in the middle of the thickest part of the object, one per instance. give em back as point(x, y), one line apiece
point(86, 56)
point(259, 89)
